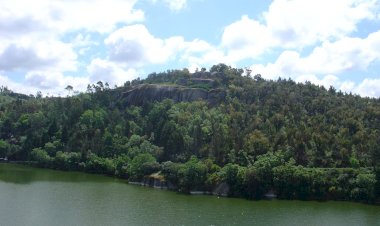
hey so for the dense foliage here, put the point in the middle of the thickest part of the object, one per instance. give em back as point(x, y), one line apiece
point(299, 140)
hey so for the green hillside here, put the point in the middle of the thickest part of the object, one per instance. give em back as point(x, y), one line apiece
point(199, 130)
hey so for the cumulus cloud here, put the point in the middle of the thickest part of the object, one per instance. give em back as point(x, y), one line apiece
point(97, 15)
point(17, 57)
point(246, 38)
point(38, 55)
point(31, 32)
point(106, 71)
point(53, 82)
point(344, 55)
point(368, 87)
point(295, 24)
point(347, 86)
point(15, 86)
point(326, 81)
point(49, 83)
point(11, 27)
point(176, 5)
point(44, 80)
point(134, 45)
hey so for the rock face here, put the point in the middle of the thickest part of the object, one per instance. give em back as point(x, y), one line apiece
point(222, 189)
point(147, 92)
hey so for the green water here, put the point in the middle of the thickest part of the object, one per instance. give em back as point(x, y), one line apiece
point(30, 196)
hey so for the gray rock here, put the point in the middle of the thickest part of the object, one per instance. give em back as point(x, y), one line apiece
point(222, 189)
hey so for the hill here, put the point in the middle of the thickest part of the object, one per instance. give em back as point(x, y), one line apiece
point(200, 130)
point(7, 96)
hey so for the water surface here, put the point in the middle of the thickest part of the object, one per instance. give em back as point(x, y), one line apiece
point(30, 196)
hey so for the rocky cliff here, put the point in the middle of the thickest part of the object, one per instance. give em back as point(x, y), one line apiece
point(148, 92)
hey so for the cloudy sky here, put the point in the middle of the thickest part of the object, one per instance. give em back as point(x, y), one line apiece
point(46, 45)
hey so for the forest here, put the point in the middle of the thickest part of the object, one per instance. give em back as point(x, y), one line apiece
point(301, 141)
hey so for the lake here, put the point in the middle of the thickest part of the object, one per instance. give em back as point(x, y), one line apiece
point(32, 196)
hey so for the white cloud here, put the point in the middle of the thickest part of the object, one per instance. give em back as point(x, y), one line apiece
point(199, 53)
point(31, 34)
point(44, 80)
point(31, 31)
point(18, 57)
point(347, 86)
point(31, 55)
point(326, 81)
point(176, 5)
point(295, 24)
point(81, 40)
point(207, 58)
point(246, 38)
point(11, 27)
point(62, 16)
point(15, 86)
point(298, 23)
point(368, 87)
point(344, 55)
point(134, 45)
point(106, 71)
point(49, 83)
point(52, 82)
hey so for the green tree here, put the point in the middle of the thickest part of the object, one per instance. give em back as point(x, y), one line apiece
point(141, 165)
point(4, 148)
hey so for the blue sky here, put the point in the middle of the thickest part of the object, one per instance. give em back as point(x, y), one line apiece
point(46, 45)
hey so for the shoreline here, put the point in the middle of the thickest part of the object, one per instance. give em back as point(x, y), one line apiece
point(192, 192)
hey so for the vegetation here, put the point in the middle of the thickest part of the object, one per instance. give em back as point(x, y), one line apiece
point(301, 141)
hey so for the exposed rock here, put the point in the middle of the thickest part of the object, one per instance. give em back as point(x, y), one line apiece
point(148, 92)
point(222, 189)
point(155, 180)
point(270, 195)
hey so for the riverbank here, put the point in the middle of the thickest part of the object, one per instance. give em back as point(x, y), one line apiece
point(225, 189)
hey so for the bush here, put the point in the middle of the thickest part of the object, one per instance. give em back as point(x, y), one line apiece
point(4, 148)
point(41, 156)
point(67, 160)
point(232, 174)
point(141, 165)
point(170, 171)
point(192, 175)
point(121, 164)
point(96, 164)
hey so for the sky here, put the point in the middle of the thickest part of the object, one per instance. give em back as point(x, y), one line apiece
point(46, 45)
